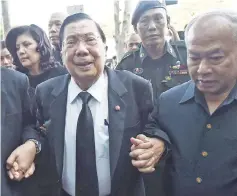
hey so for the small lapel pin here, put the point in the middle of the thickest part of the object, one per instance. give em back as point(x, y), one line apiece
point(117, 107)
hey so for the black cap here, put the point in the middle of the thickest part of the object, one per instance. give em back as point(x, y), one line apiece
point(143, 6)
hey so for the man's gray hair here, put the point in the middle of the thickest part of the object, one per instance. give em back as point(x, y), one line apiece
point(230, 15)
point(130, 35)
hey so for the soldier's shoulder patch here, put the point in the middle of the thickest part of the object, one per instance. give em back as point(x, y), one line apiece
point(138, 71)
point(129, 54)
point(126, 55)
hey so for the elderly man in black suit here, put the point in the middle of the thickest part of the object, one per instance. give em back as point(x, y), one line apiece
point(91, 115)
point(16, 129)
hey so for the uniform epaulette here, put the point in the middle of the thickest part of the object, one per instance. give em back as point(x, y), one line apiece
point(127, 54)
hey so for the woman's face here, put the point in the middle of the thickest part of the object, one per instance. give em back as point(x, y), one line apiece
point(26, 48)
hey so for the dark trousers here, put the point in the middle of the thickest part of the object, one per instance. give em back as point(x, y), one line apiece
point(154, 182)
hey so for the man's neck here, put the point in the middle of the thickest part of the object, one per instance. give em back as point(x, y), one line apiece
point(86, 84)
point(214, 101)
point(155, 52)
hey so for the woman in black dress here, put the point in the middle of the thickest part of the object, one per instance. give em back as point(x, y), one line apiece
point(32, 54)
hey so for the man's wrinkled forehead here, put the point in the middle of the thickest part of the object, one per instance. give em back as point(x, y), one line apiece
point(214, 28)
point(153, 12)
point(4, 52)
point(80, 28)
point(134, 38)
point(57, 17)
point(210, 24)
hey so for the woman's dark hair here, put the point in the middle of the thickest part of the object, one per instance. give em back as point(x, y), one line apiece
point(46, 57)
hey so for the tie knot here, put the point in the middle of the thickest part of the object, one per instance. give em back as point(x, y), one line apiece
point(85, 97)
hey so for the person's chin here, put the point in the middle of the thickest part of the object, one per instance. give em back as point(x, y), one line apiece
point(86, 76)
point(207, 90)
point(153, 42)
point(26, 65)
point(55, 43)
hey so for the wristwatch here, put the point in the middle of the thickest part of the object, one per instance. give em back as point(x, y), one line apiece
point(37, 145)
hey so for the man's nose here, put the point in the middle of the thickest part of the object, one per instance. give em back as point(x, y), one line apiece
point(204, 67)
point(81, 49)
point(151, 25)
point(134, 47)
point(53, 29)
point(5, 61)
point(21, 50)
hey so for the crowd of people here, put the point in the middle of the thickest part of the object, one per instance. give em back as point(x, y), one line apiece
point(160, 123)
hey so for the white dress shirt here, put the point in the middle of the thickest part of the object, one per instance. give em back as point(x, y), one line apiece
point(99, 109)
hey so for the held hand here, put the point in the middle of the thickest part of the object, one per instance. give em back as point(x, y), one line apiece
point(30, 171)
point(21, 160)
point(146, 153)
point(15, 174)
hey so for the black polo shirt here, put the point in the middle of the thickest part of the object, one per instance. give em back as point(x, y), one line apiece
point(164, 73)
point(203, 159)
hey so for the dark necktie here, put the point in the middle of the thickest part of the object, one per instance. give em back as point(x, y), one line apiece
point(86, 174)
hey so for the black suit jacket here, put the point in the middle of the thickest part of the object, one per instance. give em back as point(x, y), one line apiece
point(134, 96)
point(16, 123)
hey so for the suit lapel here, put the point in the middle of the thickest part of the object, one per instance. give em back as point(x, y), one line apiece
point(116, 91)
point(57, 126)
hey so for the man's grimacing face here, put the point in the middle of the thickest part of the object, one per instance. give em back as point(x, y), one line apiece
point(83, 50)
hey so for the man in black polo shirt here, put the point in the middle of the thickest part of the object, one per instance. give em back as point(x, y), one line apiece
point(156, 60)
point(199, 118)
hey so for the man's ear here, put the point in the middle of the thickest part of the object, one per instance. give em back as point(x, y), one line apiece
point(125, 46)
point(61, 55)
point(135, 28)
point(168, 20)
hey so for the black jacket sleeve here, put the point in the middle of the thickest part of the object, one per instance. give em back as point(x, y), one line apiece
point(146, 103)
point(29, 121)
point(153, 128)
